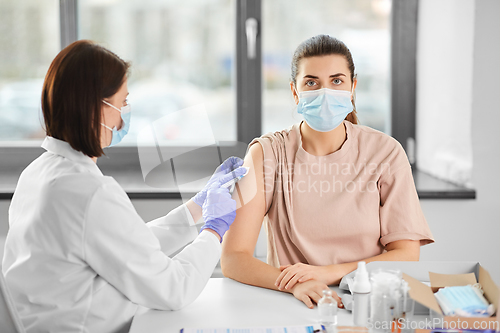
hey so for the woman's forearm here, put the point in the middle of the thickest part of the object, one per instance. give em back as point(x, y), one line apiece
point(247, 269)
point(397, 251)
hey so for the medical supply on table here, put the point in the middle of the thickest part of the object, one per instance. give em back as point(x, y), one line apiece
point(465, 301)
point(327, 309)
point(361, 291)
point(229, 169)
point(324, 109)
point(347, 301)
point(272, 329)
point(388, 301)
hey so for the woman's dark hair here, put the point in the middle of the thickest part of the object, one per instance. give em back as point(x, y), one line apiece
point(321, 45)
point(78, 79)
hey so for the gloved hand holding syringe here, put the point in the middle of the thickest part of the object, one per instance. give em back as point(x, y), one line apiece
point(232, 183)
point(219, 209)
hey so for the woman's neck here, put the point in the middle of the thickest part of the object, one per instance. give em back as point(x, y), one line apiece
point(322, 143)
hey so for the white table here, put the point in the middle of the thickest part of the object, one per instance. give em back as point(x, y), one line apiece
point(227, 303)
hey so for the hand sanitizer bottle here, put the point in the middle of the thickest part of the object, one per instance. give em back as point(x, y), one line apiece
point(361, 292)
point(327, 307)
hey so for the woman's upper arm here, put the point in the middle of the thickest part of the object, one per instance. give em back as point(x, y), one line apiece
point(251, 207)
point(410, 247)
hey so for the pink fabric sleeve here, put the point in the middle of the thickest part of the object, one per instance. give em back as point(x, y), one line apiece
point(269, 169)
point(401, 216)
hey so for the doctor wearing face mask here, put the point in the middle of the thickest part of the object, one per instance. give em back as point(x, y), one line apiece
point(78, 257)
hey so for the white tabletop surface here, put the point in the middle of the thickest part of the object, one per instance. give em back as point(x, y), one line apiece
point(230, 304)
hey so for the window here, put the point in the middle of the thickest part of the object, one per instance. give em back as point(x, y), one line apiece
point(177, 64)
point(232, 56)
point(447, 154)
point(182, 54)
point(29, 35)
point(190, 52)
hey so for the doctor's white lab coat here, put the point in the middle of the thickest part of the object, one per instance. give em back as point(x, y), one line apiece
point(78, 258)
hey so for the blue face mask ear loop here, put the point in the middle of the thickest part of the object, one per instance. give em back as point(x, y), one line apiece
point(112, 130)
point(114, 107)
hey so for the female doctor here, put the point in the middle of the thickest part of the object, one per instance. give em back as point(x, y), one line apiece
point(78, 257)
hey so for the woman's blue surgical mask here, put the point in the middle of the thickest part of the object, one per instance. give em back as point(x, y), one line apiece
point(324, 109)
point(118, 134)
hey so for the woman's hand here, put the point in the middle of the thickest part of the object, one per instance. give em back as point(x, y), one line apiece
point(292, 274)
point(312, 291)
point(298, 273)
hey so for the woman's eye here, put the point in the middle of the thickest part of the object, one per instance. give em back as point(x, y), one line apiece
point(337, 81)
point(310, 83)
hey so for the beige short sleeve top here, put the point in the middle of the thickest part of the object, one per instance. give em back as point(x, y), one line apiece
point(342, 207)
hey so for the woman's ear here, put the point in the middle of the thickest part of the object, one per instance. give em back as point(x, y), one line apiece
point(294, 93)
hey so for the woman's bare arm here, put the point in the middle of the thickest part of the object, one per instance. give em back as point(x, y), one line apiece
point(401, 250)
point(237, 260)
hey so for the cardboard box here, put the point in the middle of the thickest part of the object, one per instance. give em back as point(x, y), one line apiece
point(426, 277)
point(424, 295)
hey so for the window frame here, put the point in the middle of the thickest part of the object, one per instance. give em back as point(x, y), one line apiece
point(404, 20)
point(248, 73)
point(68, 21)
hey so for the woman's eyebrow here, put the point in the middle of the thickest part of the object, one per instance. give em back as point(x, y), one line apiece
point(315, 77)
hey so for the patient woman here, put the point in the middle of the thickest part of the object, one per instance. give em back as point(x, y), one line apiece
point(330, 192)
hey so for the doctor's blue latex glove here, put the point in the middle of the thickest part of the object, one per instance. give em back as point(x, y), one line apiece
point(221, 175)
point(219, 210)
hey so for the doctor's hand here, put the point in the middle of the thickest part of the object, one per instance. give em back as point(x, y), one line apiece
point(228, 170)
point(219, 210)
point(311, 291)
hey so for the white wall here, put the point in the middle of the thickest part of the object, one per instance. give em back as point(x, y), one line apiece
point(468, 229)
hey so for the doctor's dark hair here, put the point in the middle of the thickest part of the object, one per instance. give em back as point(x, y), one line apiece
point(78, 79)
point(322, 45)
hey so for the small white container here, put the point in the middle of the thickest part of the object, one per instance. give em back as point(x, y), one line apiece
point(327, 309)
point(361, 289)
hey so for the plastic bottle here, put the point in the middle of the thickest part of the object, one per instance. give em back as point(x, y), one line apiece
point(385, 297)
point(327, 308)
point(361, 289)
